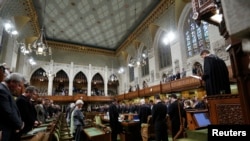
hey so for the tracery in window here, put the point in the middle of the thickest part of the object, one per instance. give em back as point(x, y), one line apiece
point(131, 73)
point(196, 37)
point(145, 63)
point(164, 51)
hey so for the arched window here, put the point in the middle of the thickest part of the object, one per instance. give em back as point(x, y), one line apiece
point(196, 37)
point(145, 63)
point(165, 58)
point(131, 72)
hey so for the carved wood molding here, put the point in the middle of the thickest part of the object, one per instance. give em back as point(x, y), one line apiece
point(229, 114)
point(80, 48)
point(222, 96)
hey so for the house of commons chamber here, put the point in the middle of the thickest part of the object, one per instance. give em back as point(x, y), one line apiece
point(124, 70)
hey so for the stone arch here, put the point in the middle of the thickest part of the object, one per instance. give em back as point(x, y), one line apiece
point(61, 83)
point(97, 84)
point(180, 28)
point(80, 83)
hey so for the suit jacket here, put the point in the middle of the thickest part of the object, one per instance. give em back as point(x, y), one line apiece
point(144, 112)
point(10, 118)
point(159, 113)
point(174, 114)
point(113, 118)
point(27, 113)
point(41, 115)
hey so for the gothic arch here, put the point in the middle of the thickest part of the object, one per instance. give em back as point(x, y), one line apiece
point(80, 83)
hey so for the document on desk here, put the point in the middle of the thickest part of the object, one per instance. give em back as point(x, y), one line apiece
point(36, 130)
point(92, 131)
point(195, 76)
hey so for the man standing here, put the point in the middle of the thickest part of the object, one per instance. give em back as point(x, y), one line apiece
point(144, 112)
point(26, 109)
point(159, 116)
point(113, 120)
point(176, 114)
point(215, 74)
point(10, 119)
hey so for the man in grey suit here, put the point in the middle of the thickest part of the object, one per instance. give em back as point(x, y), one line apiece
point(10, 119)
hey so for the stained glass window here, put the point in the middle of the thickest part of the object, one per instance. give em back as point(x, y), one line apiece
point(196, 37)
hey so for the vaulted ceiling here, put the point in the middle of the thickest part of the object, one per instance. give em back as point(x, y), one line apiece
point(96, 24)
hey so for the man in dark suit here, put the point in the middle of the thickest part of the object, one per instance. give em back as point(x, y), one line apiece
point(144, 112)
point(215, 74)
point(159, 113)
point(176, 113)
point(113, 119)
point(10, 119)
point(26, 109)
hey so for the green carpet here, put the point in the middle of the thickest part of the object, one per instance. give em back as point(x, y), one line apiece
point(195, 135)
point(192, 135)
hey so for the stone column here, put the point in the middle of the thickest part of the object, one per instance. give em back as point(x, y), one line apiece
point(106, 82)
point(50, 76)
point(71, 78)
point(89, 80)
point(50, 84)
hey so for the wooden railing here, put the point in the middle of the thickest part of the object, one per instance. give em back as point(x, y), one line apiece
point(172, 86)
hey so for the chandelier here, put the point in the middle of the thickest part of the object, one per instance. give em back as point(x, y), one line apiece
point(40, 46)
point(140, 59)
point(112, 78)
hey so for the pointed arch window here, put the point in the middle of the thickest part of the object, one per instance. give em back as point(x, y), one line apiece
point(164, 51)
point(196, 37)
point(145, 64)
point(131, 72)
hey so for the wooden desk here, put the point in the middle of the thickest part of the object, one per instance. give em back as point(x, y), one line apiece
point(199, 121)
point(132, 131)
point(96, 134)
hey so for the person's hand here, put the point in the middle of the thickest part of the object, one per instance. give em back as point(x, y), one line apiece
point(22, 126)
point(36, 123)
point(17, 131)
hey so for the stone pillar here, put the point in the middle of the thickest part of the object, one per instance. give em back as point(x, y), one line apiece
point(50, 76)
point(50, 84)
point(89, 80)
point(71, 78)
point(106, 82)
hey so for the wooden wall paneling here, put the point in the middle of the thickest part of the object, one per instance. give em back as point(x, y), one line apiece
point(240, 66)
point(185, 84)
point(166, 87)
point(100, 98)
point(120, 97)
point(141, 92)
point(150, 91)
point(131, 95)
point(225, 109)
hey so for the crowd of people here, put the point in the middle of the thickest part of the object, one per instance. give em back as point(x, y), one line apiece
point(21, 108)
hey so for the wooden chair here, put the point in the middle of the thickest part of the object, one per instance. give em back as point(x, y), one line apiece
point(147, 129)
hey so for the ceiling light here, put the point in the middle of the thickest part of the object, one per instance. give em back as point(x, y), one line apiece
point(40, 46)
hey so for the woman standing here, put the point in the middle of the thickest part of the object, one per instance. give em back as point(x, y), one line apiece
point(78, 120)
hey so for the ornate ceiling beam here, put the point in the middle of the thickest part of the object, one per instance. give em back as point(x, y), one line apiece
point(80, 48)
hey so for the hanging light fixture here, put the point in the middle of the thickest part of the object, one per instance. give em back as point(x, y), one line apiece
point(140, 59)
point(113, 78)
point(40, 46)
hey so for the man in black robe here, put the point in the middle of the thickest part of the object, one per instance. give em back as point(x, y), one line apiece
point(215, 74)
